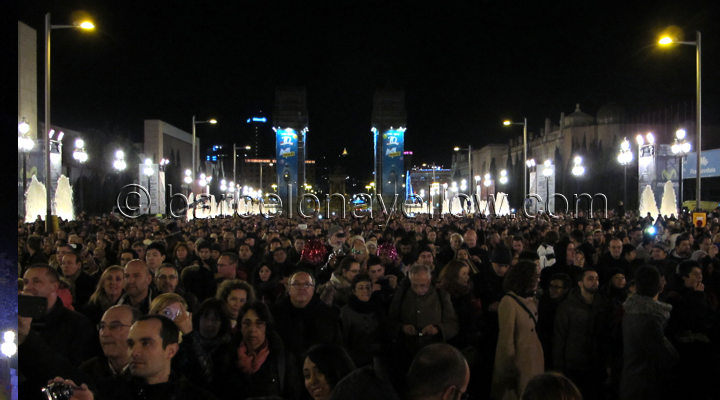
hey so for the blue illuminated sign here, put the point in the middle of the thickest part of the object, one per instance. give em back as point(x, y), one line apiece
point(257, 119)
point(393, 141)
point(286, 146)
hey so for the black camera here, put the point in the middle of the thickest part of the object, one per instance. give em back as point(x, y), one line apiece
point(58, 391)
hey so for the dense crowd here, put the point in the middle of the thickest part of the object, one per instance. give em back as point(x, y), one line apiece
point(623, 306)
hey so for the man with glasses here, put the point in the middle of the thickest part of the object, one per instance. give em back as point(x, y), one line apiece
point(420, 314)
point(166, 281)
point(303, 320)
point(103, 370)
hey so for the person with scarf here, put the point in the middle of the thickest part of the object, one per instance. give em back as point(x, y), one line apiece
point(363, 322)
point(259, 364)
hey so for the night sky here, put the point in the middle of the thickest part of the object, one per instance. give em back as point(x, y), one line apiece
point(463, 65)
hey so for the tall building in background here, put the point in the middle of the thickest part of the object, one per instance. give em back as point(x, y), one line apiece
point(389, 121)
point(257, 123)
point(290, 123)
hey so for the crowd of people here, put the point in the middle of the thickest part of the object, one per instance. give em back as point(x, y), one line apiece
point(392, 307)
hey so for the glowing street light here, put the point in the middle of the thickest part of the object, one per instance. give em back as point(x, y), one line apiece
point(8, 347)
point(84, 25)
point(503, 177)
point(25, 145)
point(625, 157)
point(119, 163)
point(188, 177)
point(578, 169)
point(211, 121)
point(79, 154)
point(524, 124)
point(680, 148)
point(667, 40)
point(469, 150)
point(147, 169)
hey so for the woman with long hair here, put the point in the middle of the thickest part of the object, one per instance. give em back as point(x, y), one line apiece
point(235, 293)
point(455, 280)
point(519, 354)
point(259, 365)
point(266, 282)
point(324, 366)
point(108, 291)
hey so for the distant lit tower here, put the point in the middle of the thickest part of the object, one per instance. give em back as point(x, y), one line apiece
point(290, 123)
point(389, 121)
point(257, 123)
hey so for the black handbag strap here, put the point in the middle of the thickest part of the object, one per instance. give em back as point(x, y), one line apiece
point(532, 316)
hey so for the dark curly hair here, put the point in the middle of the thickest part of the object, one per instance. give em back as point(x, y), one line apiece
point(521, 278)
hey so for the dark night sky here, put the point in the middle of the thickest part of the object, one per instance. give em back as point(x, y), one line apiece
point(464, 65)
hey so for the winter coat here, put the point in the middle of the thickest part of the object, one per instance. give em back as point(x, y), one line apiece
point(278, 375)
point(363, 328)
point(647, 353)
point(301, 328)
point(519, 355)
point(581, 335)
point(433, 308)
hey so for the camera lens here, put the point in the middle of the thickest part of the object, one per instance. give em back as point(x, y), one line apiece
point(58, 391)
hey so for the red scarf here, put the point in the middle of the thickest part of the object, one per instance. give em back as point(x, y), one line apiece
point(251, 363)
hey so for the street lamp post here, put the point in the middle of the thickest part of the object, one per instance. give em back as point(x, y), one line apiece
point(235, 148)
point(81, 156)
point(625, 157)
point(212, 121)
point(469, 150)
point(547, 173)
point(665, 41)
point(578, 169)
point(85, 25)
point(680, 147)
point(525, 160)
point(25, 145)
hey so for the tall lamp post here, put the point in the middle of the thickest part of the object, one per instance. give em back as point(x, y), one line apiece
point(680, 147)
point(119, 164)
point(235, 148)
point(212, 121)
point(547, 172)
point(525, 160)
point(469, 150)
point(81, 156)
point(85, 25)
point(625, 157)
point(667, 40)
point(25, 145)
point(578, 168)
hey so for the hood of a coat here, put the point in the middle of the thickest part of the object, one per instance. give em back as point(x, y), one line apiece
point(643, 305)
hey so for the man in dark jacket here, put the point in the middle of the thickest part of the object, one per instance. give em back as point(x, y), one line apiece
point(547, 308)
point(56, 342)
point(103, 371)
point(647, 353)
point(303, 320)
point(581, 336)
point(153, 342)
point(82, 285)
point(689, 329)
point(611, 260)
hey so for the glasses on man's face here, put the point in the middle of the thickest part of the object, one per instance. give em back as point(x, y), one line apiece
point(302, 285)
point(355, 251)
point(113, 326)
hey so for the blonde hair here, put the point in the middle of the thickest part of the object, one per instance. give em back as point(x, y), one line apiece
point(99, 296)
point(159, 303)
